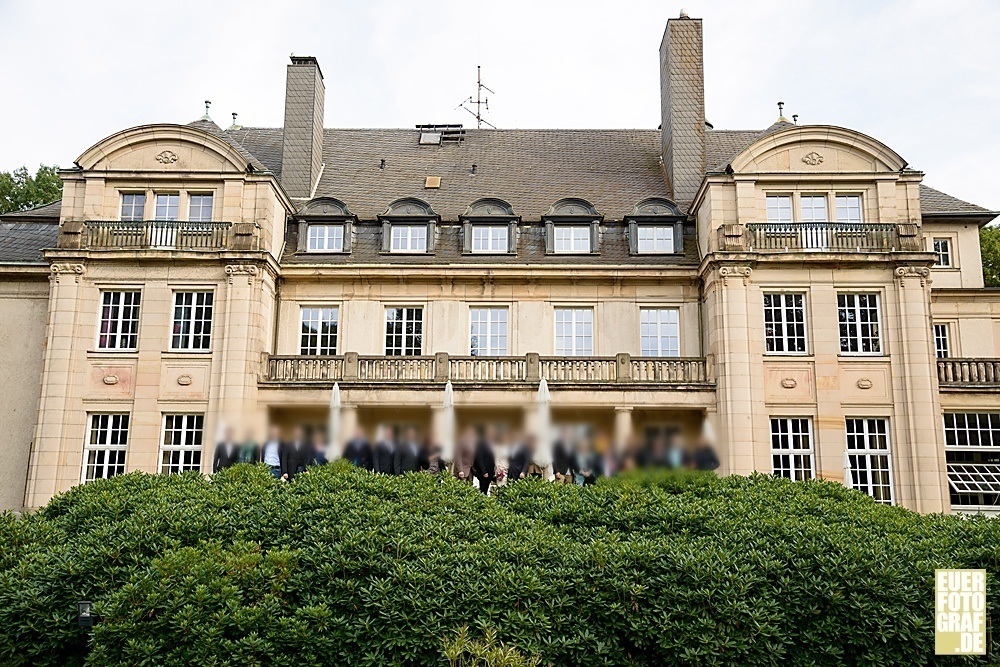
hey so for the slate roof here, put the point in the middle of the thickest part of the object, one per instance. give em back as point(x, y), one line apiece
point(934, 201)
point(44, 212)
point(22, 242)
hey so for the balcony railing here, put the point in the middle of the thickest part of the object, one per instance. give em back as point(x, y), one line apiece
point(158, 235)
point(968, 372)
point(822, 236)
point(527, 370)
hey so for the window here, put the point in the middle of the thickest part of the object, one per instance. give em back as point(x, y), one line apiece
point(181, 449)
point(404, 331)
point(488, 336)
point(779, 208)
point(133, 206)
point(319, 331)
point(942, 247)
point(200, 208)
point(867, 458)
point(942, 345)
point(571, 238)
point(655, 238)
point(167, 206)
point(574, 332)
point(814, 208)
point(849, 208)
point(325, 238)
point(192, 328)
point(972, 455)
point(409, 238)
point(859, 323)
point(785, 323)
point(104, 451)
point(119, 328)
point(791, 448)
point(490, 238)
point(660, 332)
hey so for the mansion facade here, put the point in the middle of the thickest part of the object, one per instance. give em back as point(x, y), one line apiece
point(798, 288)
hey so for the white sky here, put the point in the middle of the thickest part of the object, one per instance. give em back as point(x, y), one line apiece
point(923, 76)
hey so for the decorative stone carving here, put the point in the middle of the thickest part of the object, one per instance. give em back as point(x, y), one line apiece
point(904, 272)
point(789, 383)
point(184, 380)
point(110, 379)
point(66, 269)
point(726, 272)
point(248, 270)
point(166, 157)
point(865, 383)
point(812, 159)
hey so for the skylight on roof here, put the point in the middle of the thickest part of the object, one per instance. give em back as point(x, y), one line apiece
point(430, 138)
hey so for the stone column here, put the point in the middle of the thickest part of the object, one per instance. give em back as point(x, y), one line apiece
point(623, 426)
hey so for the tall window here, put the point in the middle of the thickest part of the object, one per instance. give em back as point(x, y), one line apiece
point(571, 238)
point(490, 238)
point(574, 332)
point(655, 238)
point(325, 238)
point(814, 208)
point(849, 208)
point(167, 206)
point(408, 238)
point(779, 208)
point(119, 329)
point(488, 332)
point(404, 331)
point(319, 330)
point(104, 451)
point(972, 455)
point(660, 332)
point(192, 327)
point(859, 323)
point(200, 208)
point(943, 249)
point(942, 342)
point(868, 457)
point(182, 443)
point(784, 323)
point(133, 206)
point(792, 447)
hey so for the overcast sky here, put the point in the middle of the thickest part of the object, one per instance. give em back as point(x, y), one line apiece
point(922, 76)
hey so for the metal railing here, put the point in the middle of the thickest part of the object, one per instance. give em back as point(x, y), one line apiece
point(821, 237)
point(968, 372)
point(157, 235)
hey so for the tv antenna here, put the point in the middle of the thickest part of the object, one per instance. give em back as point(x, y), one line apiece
point(480, 102)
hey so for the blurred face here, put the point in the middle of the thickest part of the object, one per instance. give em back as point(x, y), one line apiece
point(274, 433)
point(411, 435)
point(298, 434)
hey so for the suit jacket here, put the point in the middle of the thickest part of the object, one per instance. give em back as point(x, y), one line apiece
point(359, 453)
point(520, 458)
point(382, 457)
point(484, 463)
point(226, 454)
point(562, 459)
point(463, 462)
point(294, 456)
point(406, 458)
point(248, 452)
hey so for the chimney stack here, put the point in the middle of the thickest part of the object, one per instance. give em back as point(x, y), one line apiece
point(302, 148)
point(682, 106)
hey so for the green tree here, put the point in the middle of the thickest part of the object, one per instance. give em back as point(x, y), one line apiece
point(989, 241)
point(19, 190)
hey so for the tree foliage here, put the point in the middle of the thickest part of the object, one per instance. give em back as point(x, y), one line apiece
point(19, 190)
point(989, 242)
point(342, 567)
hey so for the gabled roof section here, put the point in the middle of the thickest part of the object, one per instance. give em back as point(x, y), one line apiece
point(934, 202)
point(23, 242)
point(43, 213)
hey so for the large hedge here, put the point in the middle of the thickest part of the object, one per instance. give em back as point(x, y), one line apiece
point(341, 567)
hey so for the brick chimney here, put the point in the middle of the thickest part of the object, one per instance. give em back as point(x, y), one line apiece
point(682, 106)
point(302, 149)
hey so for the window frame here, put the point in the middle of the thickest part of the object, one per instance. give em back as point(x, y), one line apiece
point(793, 467)
point(106, 447)
point(392, 227)
point(768, 197)
point(785, 323)
point(964, 456)
point(503, 230)
point(188, 337)
point(947, 253)
point(318, 334)
point(857, 309)
point(119, 319)
point(200, 195)
point(849, 195)
point(942, 334)
point(868, 454)
point(142, 211)
point(574, 310)
point(577, 233)
point(493, 348)
point(166, 468)
point(156, 206)
point(671, 229)
point(659, 337)
point(824, 196)
point(403, 346)
point(307, 244)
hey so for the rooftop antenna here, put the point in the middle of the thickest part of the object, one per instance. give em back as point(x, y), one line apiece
point(234, 126)
point(781, 110)
point(208, 103)
point(479, 102)
point(795, 118)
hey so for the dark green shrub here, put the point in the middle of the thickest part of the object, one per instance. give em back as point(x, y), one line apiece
point(342, 567)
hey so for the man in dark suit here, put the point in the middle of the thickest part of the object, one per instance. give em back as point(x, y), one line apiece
point(407, 455)
point(563, 459)
point(226, 452)
point(520, 459)
point(484, 464)
point(358, 451)
point(296, 455)
point(382, 454)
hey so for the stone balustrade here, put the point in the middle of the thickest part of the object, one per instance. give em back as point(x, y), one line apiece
point(158, 235)
point(819, 237)
point(968, 373)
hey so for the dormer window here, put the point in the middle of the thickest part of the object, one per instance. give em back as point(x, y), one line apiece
point(325, 226)
point(408, 227)
point(325, 238)
point(655, 227)
point(572, 227)
point(571, 238)
point(408, 238)
point(489, 228)
point(654, 239)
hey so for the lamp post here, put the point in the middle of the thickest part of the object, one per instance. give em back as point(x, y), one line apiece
point(85, 613)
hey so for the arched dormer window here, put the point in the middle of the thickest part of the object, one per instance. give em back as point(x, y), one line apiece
point(655, 227)
point(325, 226)
point(572, 227)
point(409, 226)
point(489, 227)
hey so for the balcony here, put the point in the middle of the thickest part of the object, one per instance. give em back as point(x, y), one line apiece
point(158, 235)
point(969, 373)
point(838, 237)
point(596, 372)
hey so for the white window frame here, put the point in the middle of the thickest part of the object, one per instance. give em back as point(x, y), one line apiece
point(490, 239)
point(316, 341)
point(778, 208)
point(493, 342)
point(411, 315)
point(942, 340)
point(129, 212)
point(660, 331)
point(789, 459)
point(868, 455)
point(784, 340)
point(107, 435)
point(574, 344)
point(857, 324)
point(189, 456)
point(191, 320)
point(844, 207)
point(809, 213)
point(123, 316)
point(973, 435)
point(325, 237)
point(200, 205)
point(574, 239)
point(169, 207)
point(408, 238)
point(942, 247)
point(659, 239)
